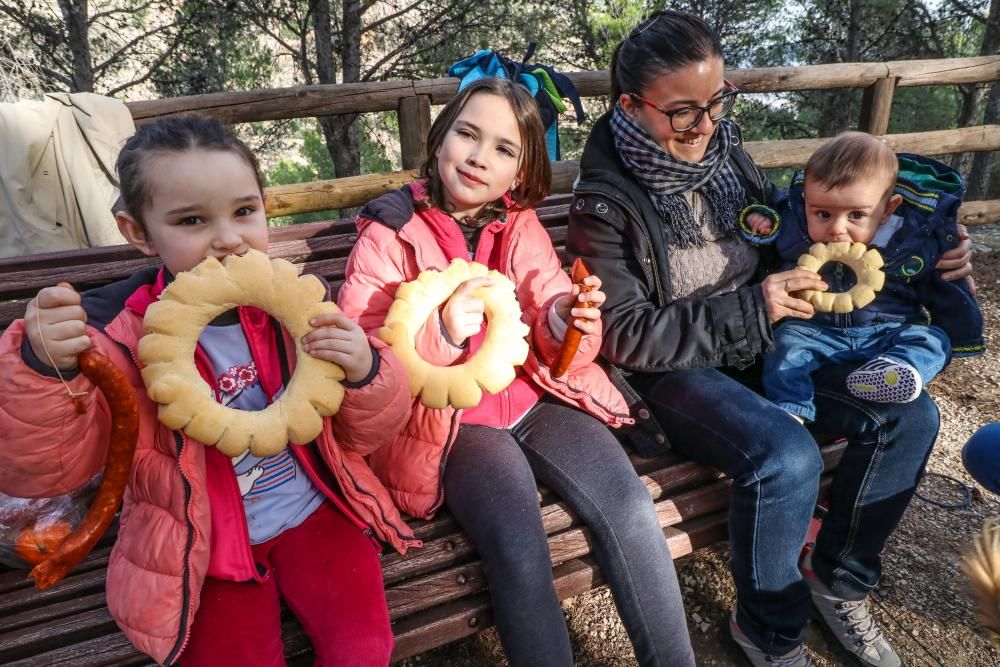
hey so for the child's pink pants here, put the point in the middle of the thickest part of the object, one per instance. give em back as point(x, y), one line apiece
point(328, 573)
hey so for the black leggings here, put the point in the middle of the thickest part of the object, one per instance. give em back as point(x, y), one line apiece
point(490, 489)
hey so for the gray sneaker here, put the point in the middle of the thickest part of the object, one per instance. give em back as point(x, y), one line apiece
point(851, 623)
point(795, 658)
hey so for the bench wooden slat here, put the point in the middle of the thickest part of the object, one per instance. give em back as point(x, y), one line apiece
point(59, 632)
point(73, 605)
point(109, 649)
point(81, 581)
point(430, 629)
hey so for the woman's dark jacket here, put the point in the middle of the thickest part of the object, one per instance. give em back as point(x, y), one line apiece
point(615, 228)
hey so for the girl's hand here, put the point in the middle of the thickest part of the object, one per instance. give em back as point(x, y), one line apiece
point(957, 262)
point(778, 289)
point(56, 317)
point(338, 339)
point(462, 315)
point(571, 306)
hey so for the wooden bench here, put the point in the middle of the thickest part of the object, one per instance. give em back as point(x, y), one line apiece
point(435, 594)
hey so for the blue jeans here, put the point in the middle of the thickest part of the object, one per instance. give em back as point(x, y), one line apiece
point(981, 456)
point(800, 347)
point(775, 466)
point(490, 489)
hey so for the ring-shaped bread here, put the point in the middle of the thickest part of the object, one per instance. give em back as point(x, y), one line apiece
point(490, 368)
point(196, 297)
point(866, 265)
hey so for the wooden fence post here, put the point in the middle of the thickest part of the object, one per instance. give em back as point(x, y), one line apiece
point(414, 124)
point(876, 105)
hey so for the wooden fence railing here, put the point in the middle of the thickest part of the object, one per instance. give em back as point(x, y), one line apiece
point(412, 100)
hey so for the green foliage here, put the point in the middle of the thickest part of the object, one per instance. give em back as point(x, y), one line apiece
point(314, 163)
point(218, 54)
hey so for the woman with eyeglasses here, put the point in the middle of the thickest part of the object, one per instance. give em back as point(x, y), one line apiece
point(663, 180)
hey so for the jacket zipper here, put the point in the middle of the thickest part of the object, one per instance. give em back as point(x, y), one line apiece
point(645, 233)
point(385, 521)
point(410, 252)
point(182, 634)
point(452, 435)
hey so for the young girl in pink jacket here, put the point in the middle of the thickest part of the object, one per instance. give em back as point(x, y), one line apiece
point(209, 546)
point(486, 167)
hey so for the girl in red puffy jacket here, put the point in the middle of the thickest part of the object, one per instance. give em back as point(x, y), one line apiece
point(209, 546)
point(486, 168)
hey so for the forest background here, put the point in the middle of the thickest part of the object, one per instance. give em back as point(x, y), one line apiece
point(144, 49)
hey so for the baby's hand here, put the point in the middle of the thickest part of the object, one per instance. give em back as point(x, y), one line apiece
point(463, 314)
point(338, 339)
point(571, 306)
point(55, 321)
point(760, 224)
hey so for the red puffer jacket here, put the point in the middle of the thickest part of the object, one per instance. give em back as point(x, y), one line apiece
point(394, 246)
point(182, 514)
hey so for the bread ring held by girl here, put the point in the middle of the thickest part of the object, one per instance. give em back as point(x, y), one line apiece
point(866, 265)
point(490, 368)
point(195, 298)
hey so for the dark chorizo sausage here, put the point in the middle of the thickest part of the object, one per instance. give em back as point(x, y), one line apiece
point(571, 343)
point(124, 433)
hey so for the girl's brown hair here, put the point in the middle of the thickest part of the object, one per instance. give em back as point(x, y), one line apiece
point(172, 135)
point(850, 157)
point(534, 176)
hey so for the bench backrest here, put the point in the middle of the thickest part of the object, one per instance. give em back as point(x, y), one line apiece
point(321, 247)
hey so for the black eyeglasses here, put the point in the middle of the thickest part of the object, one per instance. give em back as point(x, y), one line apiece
point(685, 118)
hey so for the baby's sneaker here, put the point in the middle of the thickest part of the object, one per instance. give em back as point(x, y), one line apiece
point(885, 380)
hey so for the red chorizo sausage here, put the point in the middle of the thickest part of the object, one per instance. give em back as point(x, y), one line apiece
point(124, 434)
point(571, 343)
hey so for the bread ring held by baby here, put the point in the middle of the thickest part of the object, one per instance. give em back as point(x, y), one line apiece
point(196, 297)
point(492, 367)
point(866, 265)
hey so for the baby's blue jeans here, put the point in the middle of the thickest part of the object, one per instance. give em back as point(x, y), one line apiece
point(801, 347)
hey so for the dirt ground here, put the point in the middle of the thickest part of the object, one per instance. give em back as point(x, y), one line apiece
point(921, 602)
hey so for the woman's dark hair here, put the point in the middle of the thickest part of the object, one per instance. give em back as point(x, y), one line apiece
point(664, 42)
point(534, 177)
point(171, 135)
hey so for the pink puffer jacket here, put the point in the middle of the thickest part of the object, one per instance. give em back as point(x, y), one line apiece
point(164, 544)
point(394, 246)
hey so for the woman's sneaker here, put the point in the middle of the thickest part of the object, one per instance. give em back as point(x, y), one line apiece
point(850, 622)
point(884, 380)
point(795, 658)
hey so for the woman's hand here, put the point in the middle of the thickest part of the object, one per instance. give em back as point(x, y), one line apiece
point(778, 289)
point(957, 262)
point(462, 316)
point(586, 317)
point(338, 339)
point(55, 324)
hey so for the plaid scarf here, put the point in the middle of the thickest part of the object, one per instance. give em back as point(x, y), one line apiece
point(666, 178)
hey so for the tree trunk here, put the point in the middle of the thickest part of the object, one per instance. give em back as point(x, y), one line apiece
point(982, 164)
point(838, 112)
point(340, 132)
point(972, 100)
point(75, 16)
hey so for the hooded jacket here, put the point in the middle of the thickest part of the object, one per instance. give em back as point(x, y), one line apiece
point(394, 245)
point(912, 240)
point(182, 516)
point(614, 226)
